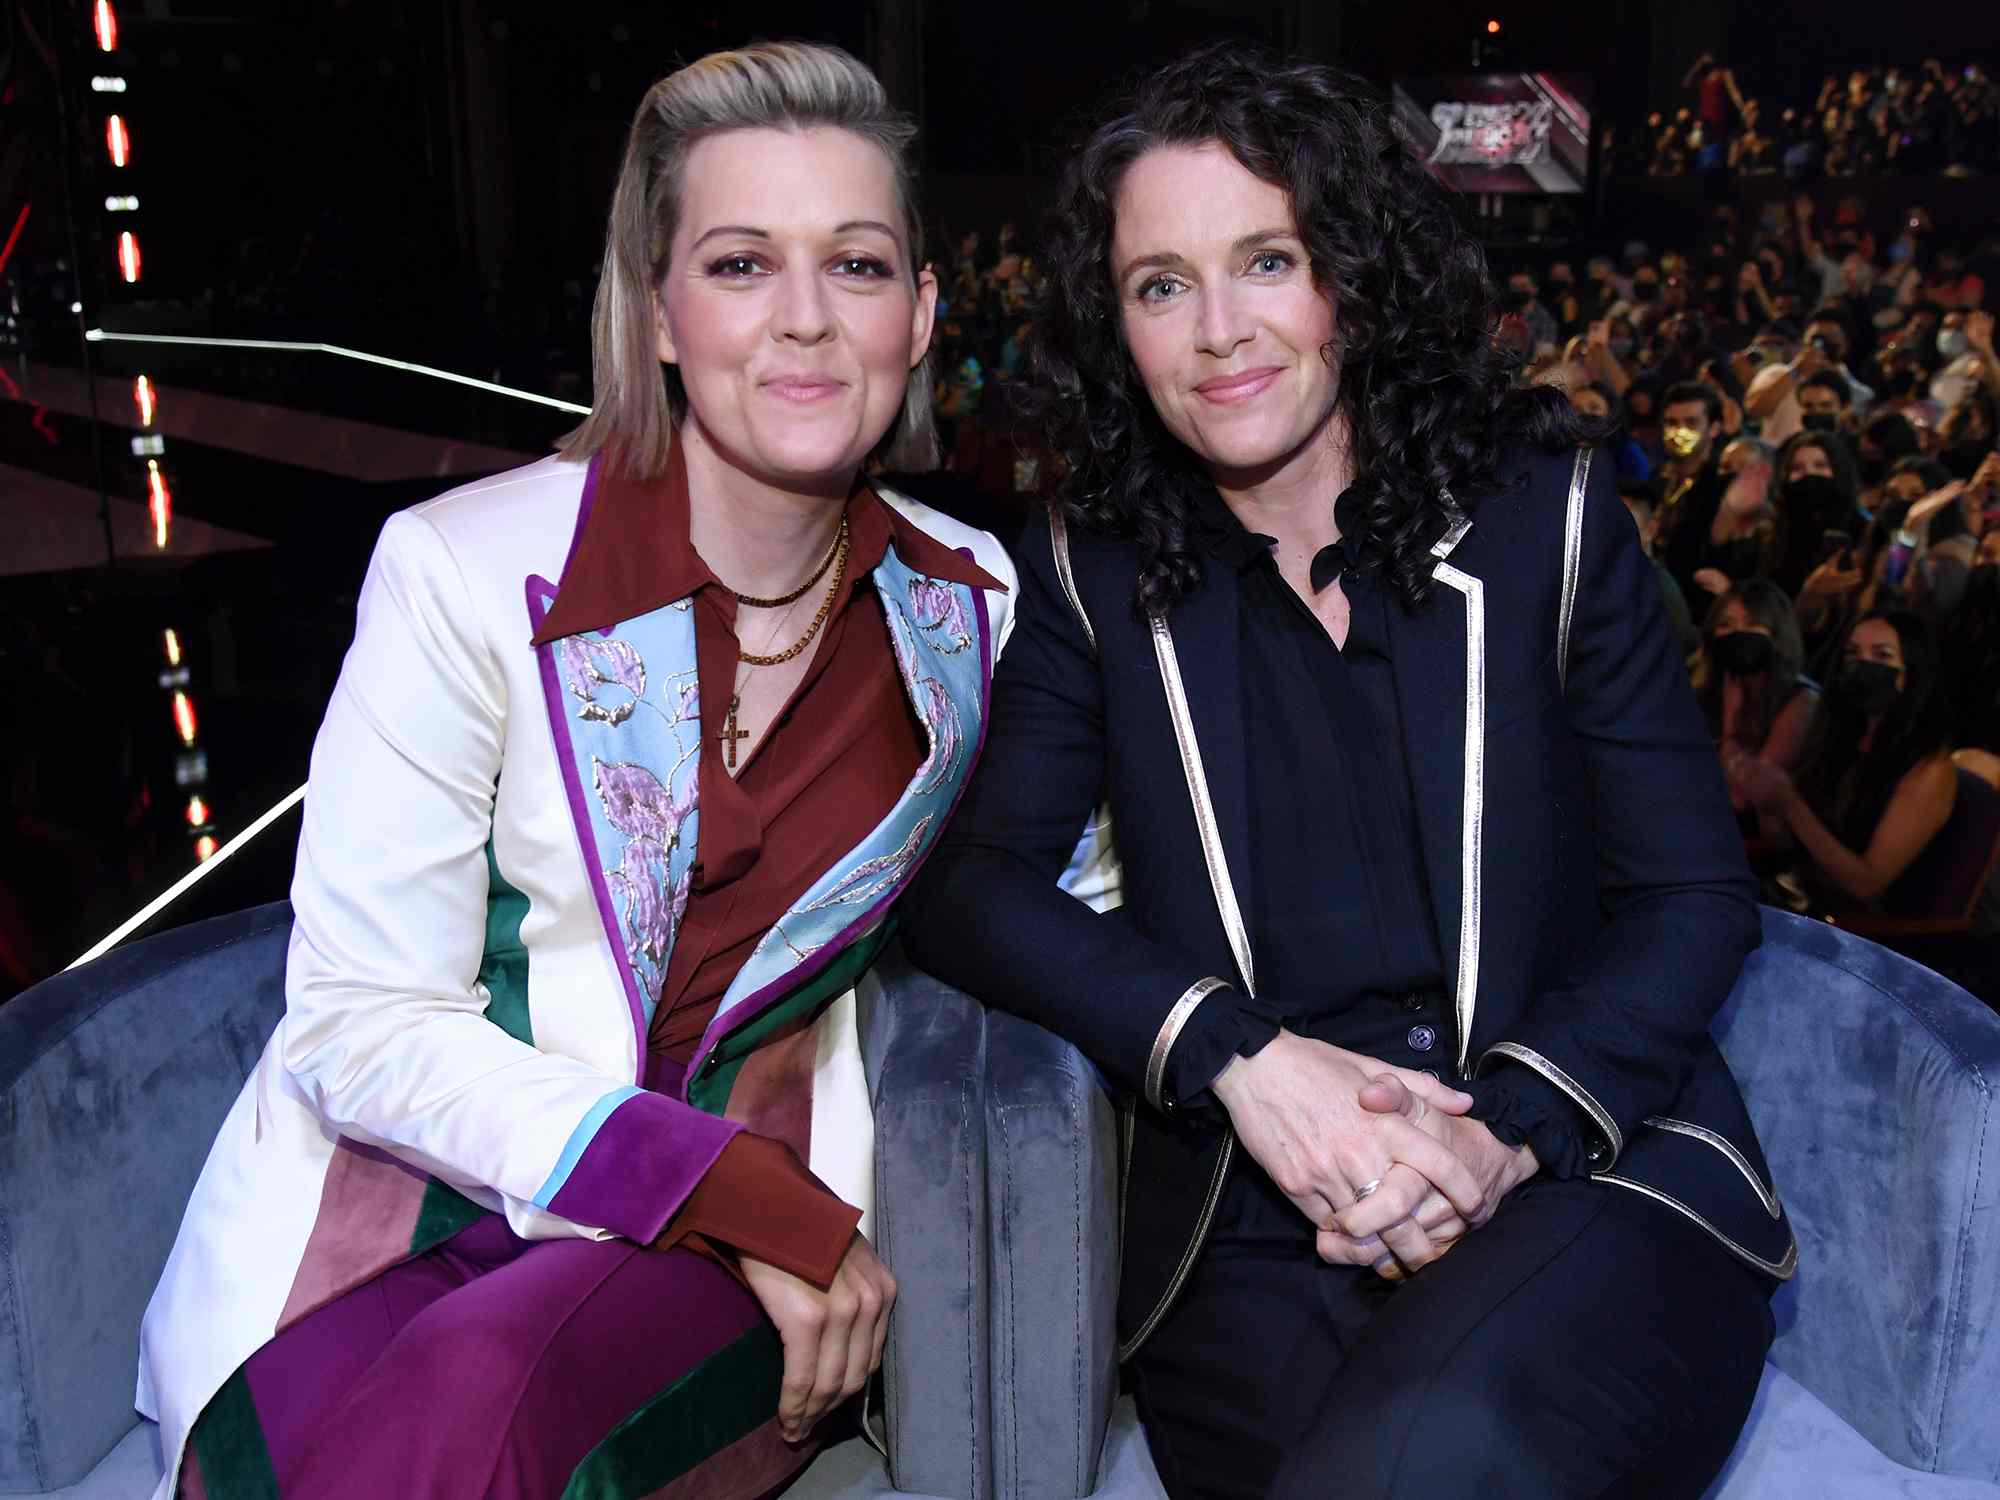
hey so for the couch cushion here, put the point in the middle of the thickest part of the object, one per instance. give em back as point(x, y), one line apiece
point(113, 1080)
point(1872, 1082)
point(1795, 1448)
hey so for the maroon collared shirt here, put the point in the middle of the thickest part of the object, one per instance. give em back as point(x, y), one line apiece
point(835, 760)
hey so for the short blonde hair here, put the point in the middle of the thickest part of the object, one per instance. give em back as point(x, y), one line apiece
point(773, 85)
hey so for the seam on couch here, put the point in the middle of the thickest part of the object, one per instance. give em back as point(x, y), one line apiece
point(37, 1462)
point(151, 978)
point(1013, 1383)
point(1956, 1299)
point(971, 1265)
point(1079, 1397)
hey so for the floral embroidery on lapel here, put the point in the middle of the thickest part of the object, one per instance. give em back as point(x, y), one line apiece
point(938, 606)
point(590, 664)
point(947, 734)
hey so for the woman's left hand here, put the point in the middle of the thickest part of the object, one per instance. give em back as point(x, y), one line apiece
point(1499, 1170)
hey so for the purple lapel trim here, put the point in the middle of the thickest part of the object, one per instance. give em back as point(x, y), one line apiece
point(750, 1005)
point(579, 810)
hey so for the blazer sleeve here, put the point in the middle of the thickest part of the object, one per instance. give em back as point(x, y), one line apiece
point(385, 1030)
point(1619, 1034)
point(987, 914)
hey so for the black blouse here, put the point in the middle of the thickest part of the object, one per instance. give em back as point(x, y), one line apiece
point(1339, 908)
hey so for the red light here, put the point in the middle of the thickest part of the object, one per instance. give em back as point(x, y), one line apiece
point(128, 256)
point(184, 718)
point(159, 502)
point(117, 140)
point(173, 648)
point(142, 397)
point(197, 813)
point(204, 848)
point(105, 23)
point(1493, 28)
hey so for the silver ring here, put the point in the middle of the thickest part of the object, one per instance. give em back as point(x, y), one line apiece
point(1366, 1188)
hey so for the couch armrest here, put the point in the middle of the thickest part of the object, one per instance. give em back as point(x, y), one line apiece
point(1052, 1227)
point(1873, 1086)
point(113, 1080)
point(923, 1047)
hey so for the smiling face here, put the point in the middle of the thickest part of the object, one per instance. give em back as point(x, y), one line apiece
point(1221, 318)
point(788, 304)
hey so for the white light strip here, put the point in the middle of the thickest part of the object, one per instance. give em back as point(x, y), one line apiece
point(100, 335)
point(107, 85)
point(180, 887)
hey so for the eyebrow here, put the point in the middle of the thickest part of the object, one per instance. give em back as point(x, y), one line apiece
point(1171, 258)
point(751, 232)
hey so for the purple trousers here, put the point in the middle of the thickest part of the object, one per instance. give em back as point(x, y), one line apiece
point(499, 1367)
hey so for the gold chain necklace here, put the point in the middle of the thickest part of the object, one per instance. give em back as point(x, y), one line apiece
point(730, 734)
point(839, 541)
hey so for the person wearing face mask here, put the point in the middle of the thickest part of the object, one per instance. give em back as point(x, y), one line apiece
point(1818, 489)
point(1876, 782)
point(1749, 679)
point(1965, 345)
point(1773, 398)
point(1972, 647)
point(1692, 486)
point(1886, 438)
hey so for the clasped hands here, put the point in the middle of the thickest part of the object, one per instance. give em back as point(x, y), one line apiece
point(1325, 1123)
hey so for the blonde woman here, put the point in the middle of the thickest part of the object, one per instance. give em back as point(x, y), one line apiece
point(553, 1178)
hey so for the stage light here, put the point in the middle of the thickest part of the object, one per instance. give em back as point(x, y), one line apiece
point(106, 85)
point(142, 397)
point(191, 768)
point(1493, 28)
point(148, 445)
point(197, 812)
point(117, 140)
point(128, 204)
point(184, 720)
point(159, 502)
point(104, 21)
point(128, 256)
point(204, 848)
point(173, 648)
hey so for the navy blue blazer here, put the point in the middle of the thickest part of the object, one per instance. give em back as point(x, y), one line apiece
point(1588, 880)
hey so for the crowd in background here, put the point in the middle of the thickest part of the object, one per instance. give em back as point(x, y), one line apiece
point(1929, 118)
point(1803, 419)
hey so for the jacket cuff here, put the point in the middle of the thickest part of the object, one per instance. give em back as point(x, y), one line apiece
point(759, 1200)
point(1229, 1024)
point(1178, 1017)
point(1523, 1109)
point(1602, 1141)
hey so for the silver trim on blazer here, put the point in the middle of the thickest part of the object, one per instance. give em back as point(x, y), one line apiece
point(1585, 1100)
point(1723, 1144)
point(1572, 560)
point(1170, 1030)
point(1059, 543)
point(1781, 1269)
point(1472, 826)
point(1233, 928)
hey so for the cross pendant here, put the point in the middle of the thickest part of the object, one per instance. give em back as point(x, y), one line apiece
point(730, 734)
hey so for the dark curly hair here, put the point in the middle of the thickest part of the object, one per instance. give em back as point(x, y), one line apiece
point(1429, 399)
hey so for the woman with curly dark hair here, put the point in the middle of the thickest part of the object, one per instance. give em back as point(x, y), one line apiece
point(1429, 882)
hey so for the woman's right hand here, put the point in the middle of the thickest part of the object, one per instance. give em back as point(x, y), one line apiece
point(1832, 580)
point(1296, 1108)
point(832, 1339)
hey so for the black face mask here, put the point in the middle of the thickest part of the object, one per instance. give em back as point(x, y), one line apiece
point(1743, 653)
point(1819, 421)
point(1873, 470)
point(1869, 686)
point(1815, 498)
point(1890, 515)
point(1962, 459)
point(1645, 291)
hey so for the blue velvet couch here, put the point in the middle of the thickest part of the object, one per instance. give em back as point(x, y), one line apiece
point(1872, 1081)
